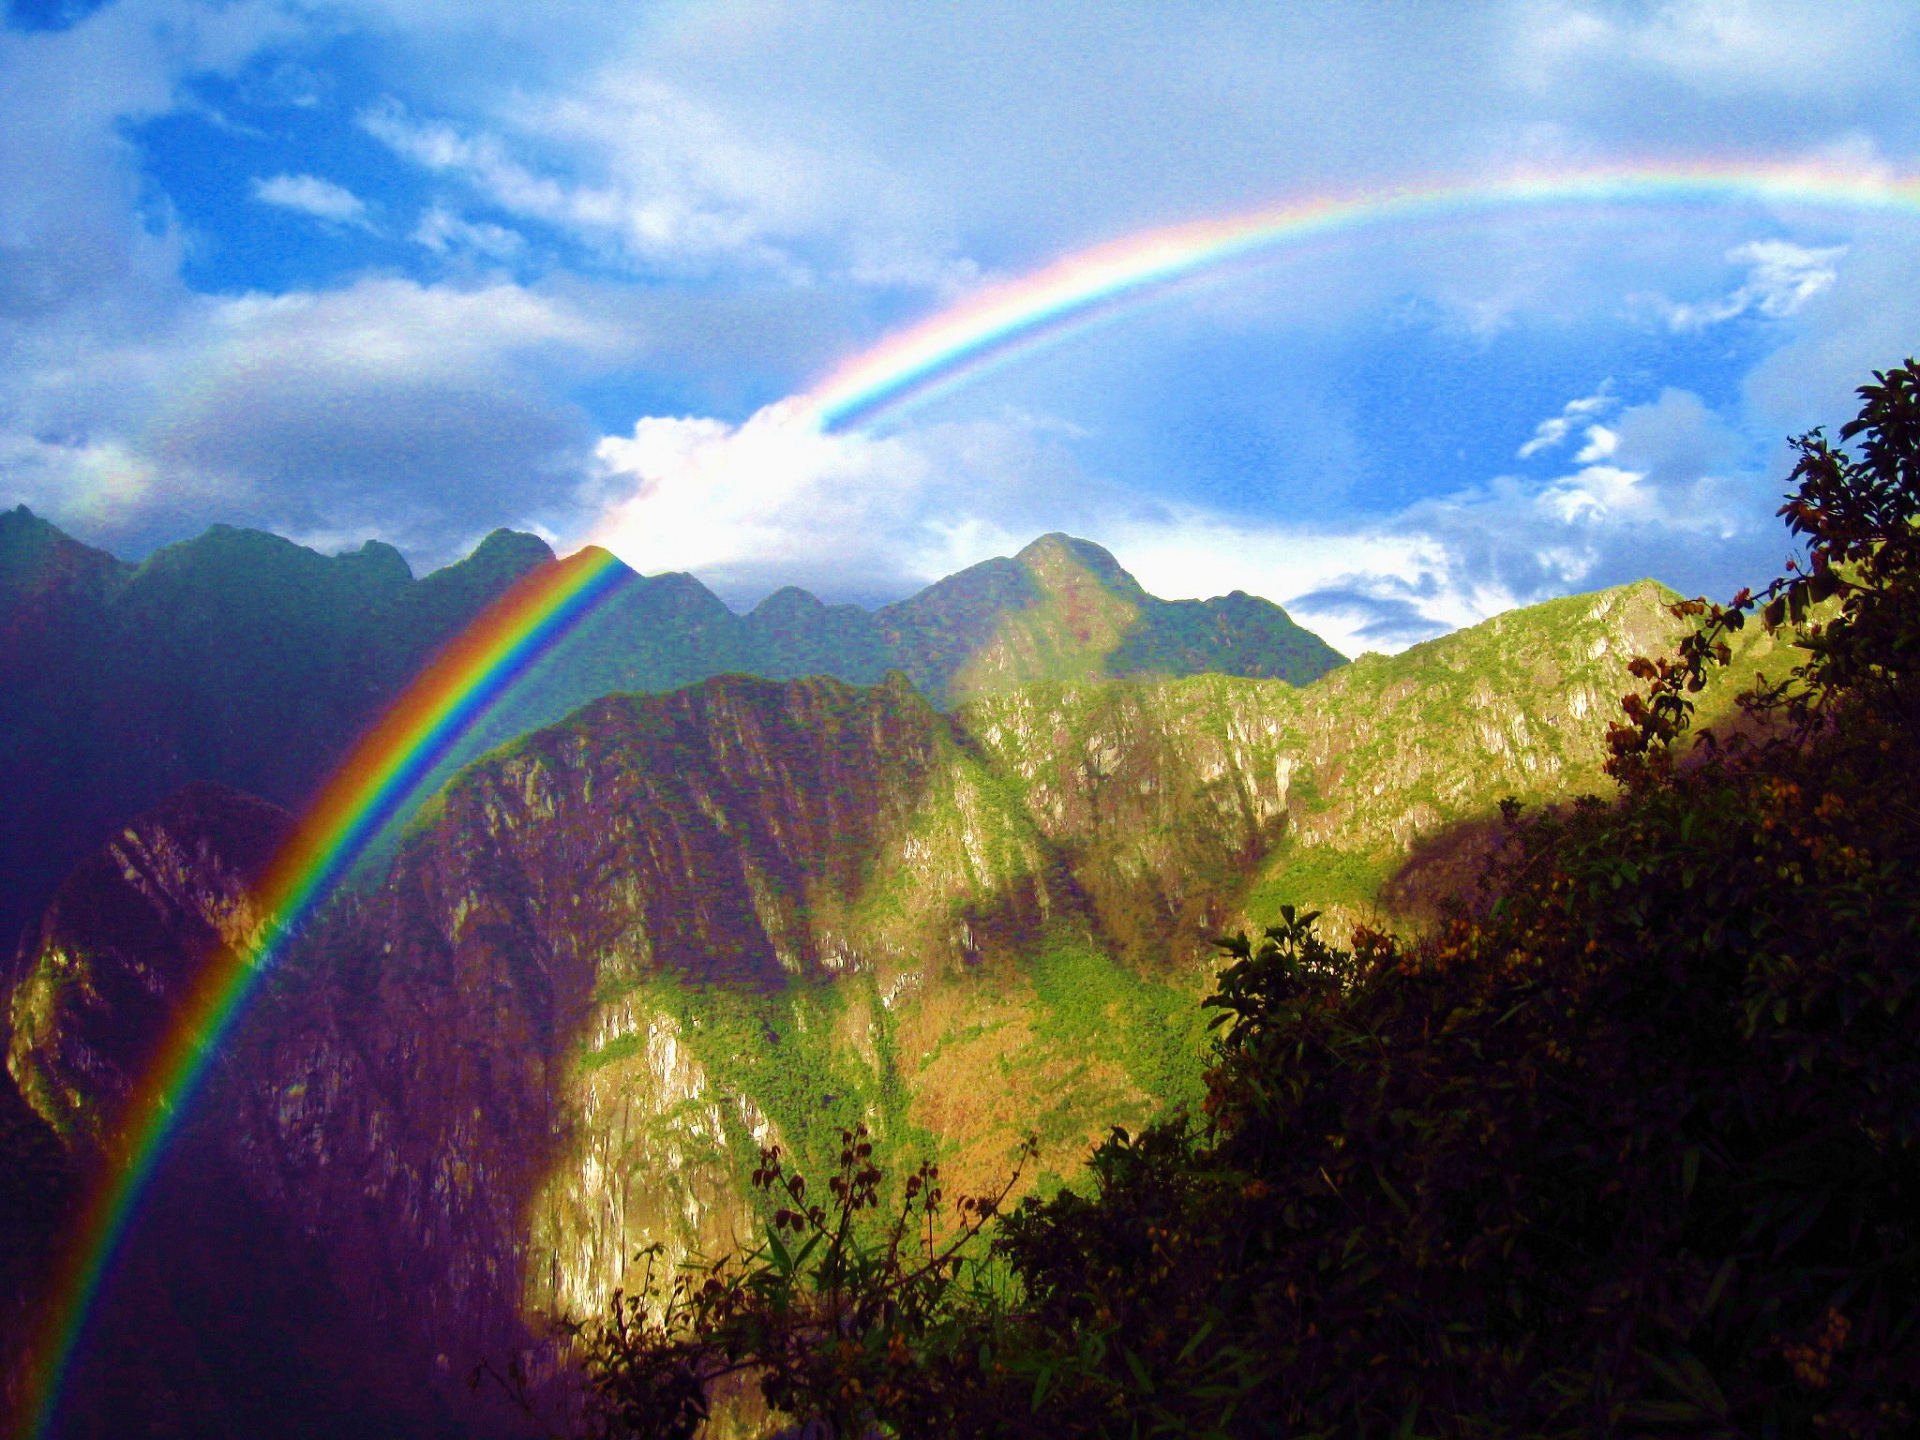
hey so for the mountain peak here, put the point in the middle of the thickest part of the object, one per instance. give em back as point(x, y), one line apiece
point(505, 549)
point(38, 558)
point(1064, 609)
point(1057, 558)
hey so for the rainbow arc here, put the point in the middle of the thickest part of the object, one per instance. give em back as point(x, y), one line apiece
point(1006, 319)
point(388, 765)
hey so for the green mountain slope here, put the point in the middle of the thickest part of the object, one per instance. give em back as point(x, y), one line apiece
point(242, 659)
point(620, 953)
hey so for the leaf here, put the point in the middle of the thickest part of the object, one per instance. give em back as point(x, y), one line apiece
point(782, 1260)
point(1139, 1369)
point(1195, 1340)
point(1724, 1274)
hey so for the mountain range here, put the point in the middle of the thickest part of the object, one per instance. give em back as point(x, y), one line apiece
point(244, 659)
point(963, 892)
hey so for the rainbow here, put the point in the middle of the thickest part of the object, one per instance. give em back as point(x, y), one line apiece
point(375, 782)
point(1005, 320)
point(477, 667)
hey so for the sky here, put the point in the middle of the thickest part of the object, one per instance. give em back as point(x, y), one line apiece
point(411, 271)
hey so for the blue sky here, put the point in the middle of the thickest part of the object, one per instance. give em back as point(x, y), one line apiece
point(417, 270)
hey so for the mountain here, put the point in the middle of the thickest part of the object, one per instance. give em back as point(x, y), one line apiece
point(222, 1316)
point(242, 659)
point(619, 953)
point(236, 658)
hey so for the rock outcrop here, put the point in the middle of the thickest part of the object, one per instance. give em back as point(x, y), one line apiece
point(621, 953)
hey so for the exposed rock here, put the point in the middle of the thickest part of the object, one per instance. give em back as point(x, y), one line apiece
point(617, 956)
point(122, 943)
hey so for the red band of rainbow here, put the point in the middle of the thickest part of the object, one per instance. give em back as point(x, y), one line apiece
point(475, 668)
point(380, 775)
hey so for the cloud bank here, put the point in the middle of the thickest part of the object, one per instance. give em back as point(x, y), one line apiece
point(414, 271)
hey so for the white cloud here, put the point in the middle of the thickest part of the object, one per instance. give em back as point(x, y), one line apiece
point(311, 195)
point(1870, 321)
point(418, 413)
point(1550, 432)
point(1781, 278)
point(638, 172)
point(1601, 442)
point(1720, 47)
point(443, 232)
point(774, 500)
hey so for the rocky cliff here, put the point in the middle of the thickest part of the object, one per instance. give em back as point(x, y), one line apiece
point(243, 659)
point(620, 953)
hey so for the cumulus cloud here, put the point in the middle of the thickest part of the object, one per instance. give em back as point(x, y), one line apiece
point(311, 195)
point(775, 500)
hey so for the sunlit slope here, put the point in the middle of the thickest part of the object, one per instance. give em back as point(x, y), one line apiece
point(620, 953)
point(751, 911)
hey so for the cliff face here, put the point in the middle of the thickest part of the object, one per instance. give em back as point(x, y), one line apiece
point(121, 944)
point(619, 954)
point(241, 658)
point(218, 1316)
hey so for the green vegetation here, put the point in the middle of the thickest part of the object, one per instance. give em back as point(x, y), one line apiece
point(1631, 1148)
point(1149, 1029)
point(1329, 876)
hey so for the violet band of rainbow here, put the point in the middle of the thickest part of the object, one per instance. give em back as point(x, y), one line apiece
point(1005, 319)
point(480, 665)
point(456, 688)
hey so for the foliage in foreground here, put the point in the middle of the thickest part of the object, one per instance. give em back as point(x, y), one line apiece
point(1626, 1147)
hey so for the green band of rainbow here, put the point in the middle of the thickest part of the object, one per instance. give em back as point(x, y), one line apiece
point(1006, 319)
point(477, 667)
point(377, 779)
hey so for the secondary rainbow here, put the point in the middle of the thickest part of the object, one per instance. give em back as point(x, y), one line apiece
point(1007, 319)
point(377, 779)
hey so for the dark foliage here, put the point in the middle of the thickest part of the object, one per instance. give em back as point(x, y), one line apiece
point(840, 1317)
point(1629, 1147)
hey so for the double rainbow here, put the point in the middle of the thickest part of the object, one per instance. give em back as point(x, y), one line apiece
point(463, 682)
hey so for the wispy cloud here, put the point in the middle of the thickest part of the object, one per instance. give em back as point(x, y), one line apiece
point(311, 195)
point(646, 176)
point(445, 232)
point(1551, 431)
point(1781, 277)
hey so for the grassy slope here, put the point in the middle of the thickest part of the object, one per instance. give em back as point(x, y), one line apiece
point(1124, 800)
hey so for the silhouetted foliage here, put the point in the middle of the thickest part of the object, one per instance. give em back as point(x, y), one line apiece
point(1626, 1148)
point(839, 1320)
